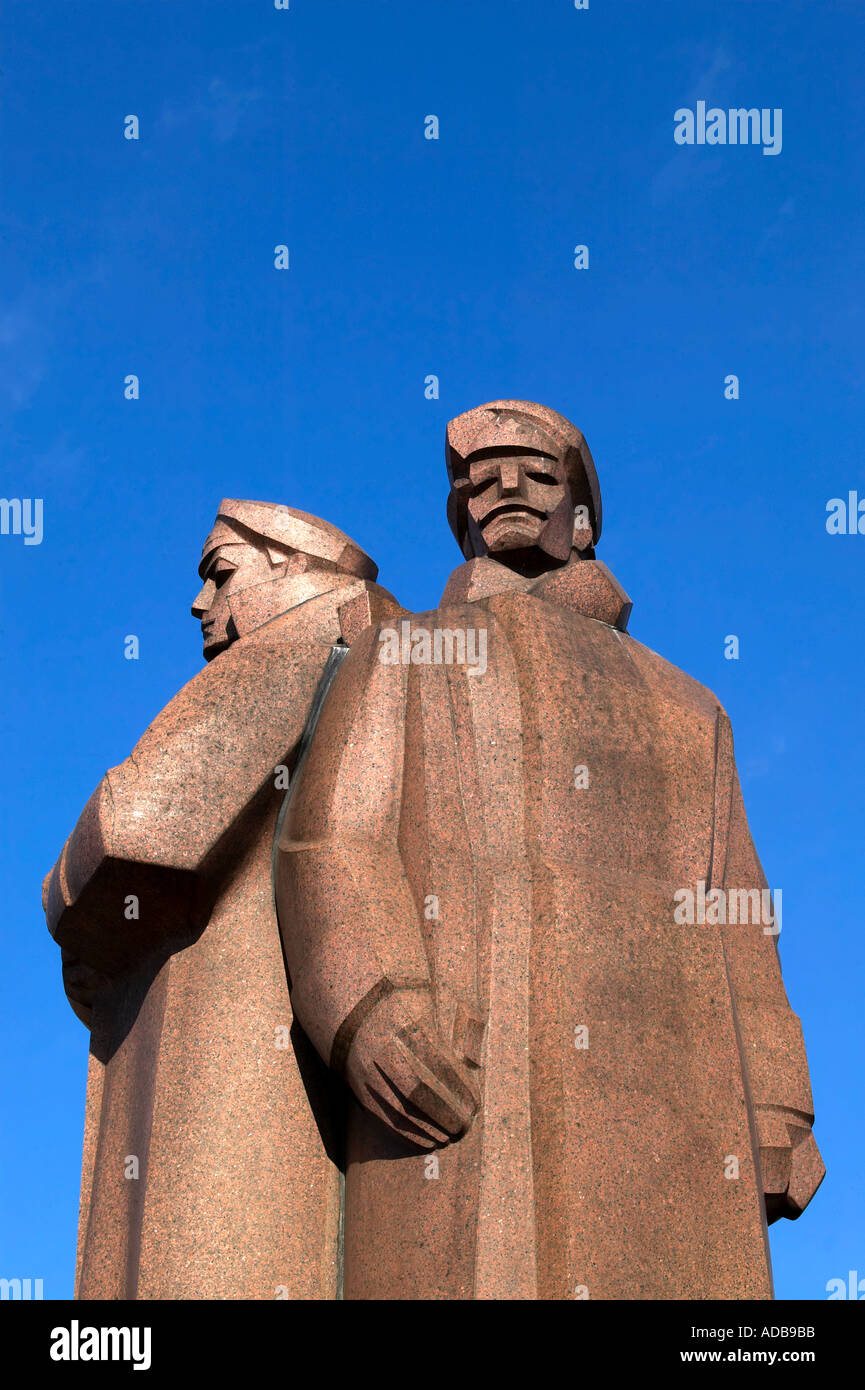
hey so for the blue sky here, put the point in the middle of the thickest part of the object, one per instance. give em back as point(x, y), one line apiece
point(412, 257)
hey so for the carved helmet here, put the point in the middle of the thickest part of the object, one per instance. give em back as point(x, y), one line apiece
point(290, 529)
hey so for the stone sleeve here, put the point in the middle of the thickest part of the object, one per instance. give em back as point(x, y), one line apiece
point(349, 922)
point(141, 868)
point(772, 1044)
point(771, 1032)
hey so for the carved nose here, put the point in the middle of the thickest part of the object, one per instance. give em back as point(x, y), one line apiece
point(509, 479)
point(203, 599)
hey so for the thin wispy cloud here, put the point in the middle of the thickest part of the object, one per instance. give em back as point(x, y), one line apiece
point(219, 108)
point(685, 168)
point(779, 226)
point(23, 352)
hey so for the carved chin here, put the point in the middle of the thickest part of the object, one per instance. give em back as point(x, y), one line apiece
point(216, 637)
point(214, 645)
point(512, 532)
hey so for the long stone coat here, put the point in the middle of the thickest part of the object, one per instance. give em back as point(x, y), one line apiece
point(210, 1168)
point(441, 836)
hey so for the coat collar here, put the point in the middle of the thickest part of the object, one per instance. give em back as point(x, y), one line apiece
point(586, 586)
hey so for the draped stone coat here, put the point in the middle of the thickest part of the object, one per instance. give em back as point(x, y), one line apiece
point(512, 841)
point(210, 1168)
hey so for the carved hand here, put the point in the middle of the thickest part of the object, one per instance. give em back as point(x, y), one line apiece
point(82, 984)
point(401, 1070)
point(790, 1161)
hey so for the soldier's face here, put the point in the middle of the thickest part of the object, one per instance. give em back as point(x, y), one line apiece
point(512, 497)
point(229, 569)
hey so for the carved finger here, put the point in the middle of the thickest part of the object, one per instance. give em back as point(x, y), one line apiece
point(425, 1089)
point(441, 1068)
point(390, 1113)
point(400, 1071)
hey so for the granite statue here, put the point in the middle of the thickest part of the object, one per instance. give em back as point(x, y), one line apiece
point(211, 1163)
point(559, 1089)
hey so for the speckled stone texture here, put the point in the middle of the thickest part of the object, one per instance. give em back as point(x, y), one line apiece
point(557, 1090)
point(197, 1070)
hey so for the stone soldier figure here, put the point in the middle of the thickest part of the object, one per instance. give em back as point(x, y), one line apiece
point(208, 1166)
point(560, 1089)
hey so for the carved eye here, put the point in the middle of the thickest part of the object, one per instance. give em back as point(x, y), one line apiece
point(220, 572)
point(483, 485)
point(545, 478)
